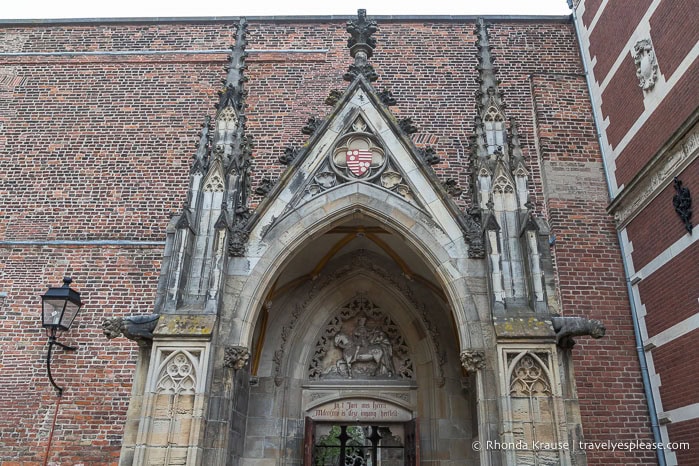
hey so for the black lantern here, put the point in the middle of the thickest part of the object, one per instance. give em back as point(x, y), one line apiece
point(59, 307)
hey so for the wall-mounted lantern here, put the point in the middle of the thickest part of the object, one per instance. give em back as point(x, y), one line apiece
point(59, 306)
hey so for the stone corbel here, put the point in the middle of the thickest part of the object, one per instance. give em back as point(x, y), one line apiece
point(236, 357)
point(472, 360)
point(137, 328)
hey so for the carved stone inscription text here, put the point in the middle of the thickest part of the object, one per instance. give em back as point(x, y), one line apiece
point(360, 410)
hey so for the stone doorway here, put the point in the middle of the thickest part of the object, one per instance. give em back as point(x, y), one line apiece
point(361, 444)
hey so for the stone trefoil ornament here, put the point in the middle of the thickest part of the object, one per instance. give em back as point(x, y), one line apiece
point(646, 64)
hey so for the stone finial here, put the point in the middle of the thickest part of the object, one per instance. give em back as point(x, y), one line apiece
point(203, 146)
point(361, 31)
point(239, 235)
point(361, 46)
point(474, 234)
point(568, 327)
point(236, 357)
point(472, 360)
point(137, 328)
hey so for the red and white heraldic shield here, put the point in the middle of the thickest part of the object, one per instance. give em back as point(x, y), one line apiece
point(359, 160)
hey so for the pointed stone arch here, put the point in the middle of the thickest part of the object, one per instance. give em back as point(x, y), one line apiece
point(444, 250)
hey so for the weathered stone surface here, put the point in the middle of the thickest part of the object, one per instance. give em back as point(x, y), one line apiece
point(185, 325)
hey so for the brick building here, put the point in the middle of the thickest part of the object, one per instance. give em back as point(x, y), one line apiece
point(382, 251)
point(643, 77)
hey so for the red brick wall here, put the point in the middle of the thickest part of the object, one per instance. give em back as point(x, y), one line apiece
point(674, 30)
point(591, 7)
point(114, 281)
point(100, 147)
point(687, 431)
point(672, 112)
point(622, 101)
point(612, 32)
point(674, 361)
point(590, 273)
point(658, 226)
point(670, 294)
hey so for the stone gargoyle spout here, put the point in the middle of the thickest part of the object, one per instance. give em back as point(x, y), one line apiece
point(137, 328)
point(568, 327)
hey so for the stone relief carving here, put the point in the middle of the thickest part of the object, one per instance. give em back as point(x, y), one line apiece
point(666, 167)
point(137, 328)
point(472, 360)
point(361, 260)
point(236, 357)
point(568, 327)
point(361, 342)
point(646, 64)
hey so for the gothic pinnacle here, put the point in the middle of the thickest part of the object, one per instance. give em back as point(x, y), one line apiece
point(361, 46)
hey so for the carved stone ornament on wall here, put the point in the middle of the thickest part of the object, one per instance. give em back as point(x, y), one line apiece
point(682, 201)
point(236, 357)
point(138, 328)
point(361, 342)
point(472, 360)
point(646, 64)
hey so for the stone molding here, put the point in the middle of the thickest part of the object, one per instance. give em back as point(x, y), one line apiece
point(659, 174)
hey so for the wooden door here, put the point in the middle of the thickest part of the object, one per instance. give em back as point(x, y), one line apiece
point(412, 443)
point(309, 441)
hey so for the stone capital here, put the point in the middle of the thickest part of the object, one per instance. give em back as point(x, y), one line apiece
point(236, 357)
point(472, 360)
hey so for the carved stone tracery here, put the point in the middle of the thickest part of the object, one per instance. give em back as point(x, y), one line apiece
point(178, 375)
point(529, 378)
